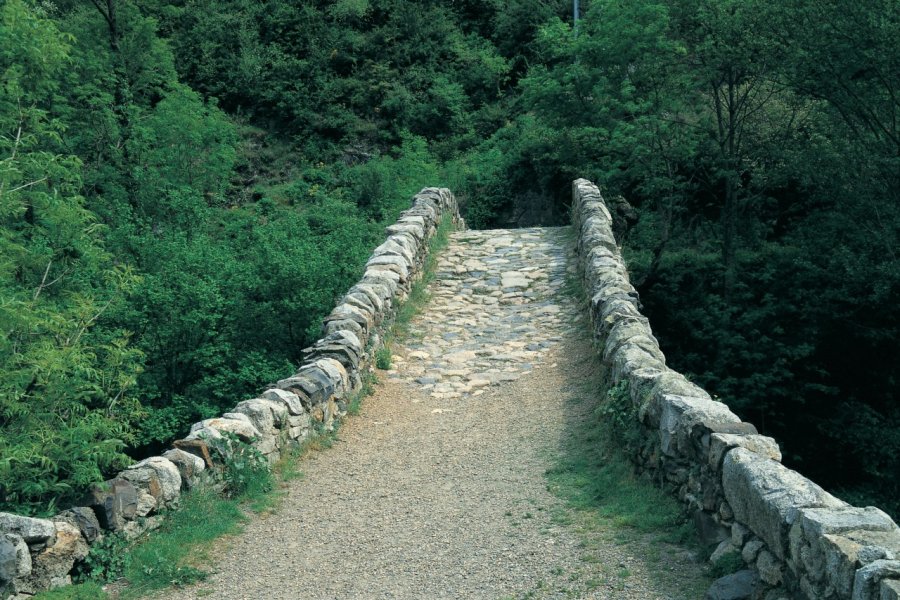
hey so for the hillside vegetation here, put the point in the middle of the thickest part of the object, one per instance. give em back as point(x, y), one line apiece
point(187, 186)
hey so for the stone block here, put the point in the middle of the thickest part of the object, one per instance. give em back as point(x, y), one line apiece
point(771, 570)
point(84, 519)
point(681, 416)
point(344, 312)
point(52, 565)
point(350, 325)
point(262, 414)
point(114, 502)
point(190, 466)
point(397, 264)
point(737, 586)
point(197, 447)
point(751, 550)
point(767, 497)
point(33, 531)
point(15, 558)
point(867, 583)
point(212, 429)
point(292, 401)
point(157, 476)
point(721, 443)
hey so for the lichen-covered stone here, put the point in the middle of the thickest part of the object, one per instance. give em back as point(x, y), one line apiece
point(33, 531)
point(866, 585)
point(189, 465)
point(721, 443)
point(15, 558)
point(158, 476)
point(766, 496)
point(213, 429)
point(292, 401)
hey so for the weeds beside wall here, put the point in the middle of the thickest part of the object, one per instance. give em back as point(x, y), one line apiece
point(798, 540)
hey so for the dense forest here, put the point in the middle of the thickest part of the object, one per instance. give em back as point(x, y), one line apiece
point(187, 186)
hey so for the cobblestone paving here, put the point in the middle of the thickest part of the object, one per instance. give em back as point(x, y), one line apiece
point(499, 310)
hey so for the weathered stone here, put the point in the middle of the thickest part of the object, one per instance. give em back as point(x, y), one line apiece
point(737, 586)
point(84, 519)
point(335, 371)
point(213, 429)
point(33, 531)
point(721, 443)
point(189, 465)
point(51, 566)
point(146, 504)
point(196, 446)
point(158, 476)
point(770, 569)
point(767, 496)
point(311, 385)
point(291, 400)
point(751, 551)
point(680, 416)
point(890, 589)
point(15, 559)
point(349, 325)
point(722, 550)
point(397, 264)
point(867, 582)
point(262, 414)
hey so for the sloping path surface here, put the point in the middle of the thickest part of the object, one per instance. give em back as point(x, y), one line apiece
point(437, 489)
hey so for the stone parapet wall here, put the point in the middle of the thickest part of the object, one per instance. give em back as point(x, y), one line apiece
point(38, 554)
point(799, 540)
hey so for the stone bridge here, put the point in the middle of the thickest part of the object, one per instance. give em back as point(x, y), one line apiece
point(436, 489)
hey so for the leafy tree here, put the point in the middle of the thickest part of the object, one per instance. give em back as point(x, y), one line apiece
point(66, 407)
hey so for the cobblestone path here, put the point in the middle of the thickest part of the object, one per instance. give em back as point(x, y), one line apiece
point(496, 309)
point(437, 489)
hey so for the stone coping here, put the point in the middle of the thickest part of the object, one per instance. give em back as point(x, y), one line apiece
point(797, 540)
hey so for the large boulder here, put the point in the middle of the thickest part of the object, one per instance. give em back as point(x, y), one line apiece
point(190, 466)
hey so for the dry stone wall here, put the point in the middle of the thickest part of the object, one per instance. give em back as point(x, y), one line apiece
point(797, 540)
point(38, 554)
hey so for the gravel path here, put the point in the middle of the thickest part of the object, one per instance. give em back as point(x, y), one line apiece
point(437, 489)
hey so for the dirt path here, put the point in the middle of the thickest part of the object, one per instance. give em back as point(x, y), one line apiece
point(437, 489)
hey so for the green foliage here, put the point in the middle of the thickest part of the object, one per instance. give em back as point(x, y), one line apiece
point(620, 417)
point(90, 590)
point(245, 470)
point(383, 358)
point(66, 408)
point(728, 563)
point(164, 558)
point(107, 560)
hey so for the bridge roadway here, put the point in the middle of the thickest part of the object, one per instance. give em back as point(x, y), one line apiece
point(437, 489)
